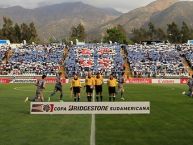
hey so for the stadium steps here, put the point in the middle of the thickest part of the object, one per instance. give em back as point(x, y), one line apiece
point(4, 59)
point(62, 68)
point(128, 73)
point(65, 53)
point(186, 64)
point(7, 56)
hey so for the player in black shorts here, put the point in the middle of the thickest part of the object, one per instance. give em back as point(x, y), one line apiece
point(89, 84)
point(99, 87)
point(75, 87)
point(112, 83)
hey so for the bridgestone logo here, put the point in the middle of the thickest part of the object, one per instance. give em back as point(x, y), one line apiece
point(88, 108)
point(91, 108)
point(104, 108)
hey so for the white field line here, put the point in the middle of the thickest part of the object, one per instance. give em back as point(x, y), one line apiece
point(92, 135)
point(24, 90)
point(93, 127)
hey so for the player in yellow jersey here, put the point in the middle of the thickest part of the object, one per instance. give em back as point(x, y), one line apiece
point(89, 84)
point(99, 87)
point(112, 83)
point(75, 87)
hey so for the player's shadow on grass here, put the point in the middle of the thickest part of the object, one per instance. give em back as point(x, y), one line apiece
point(24, 111)
point(188, 95)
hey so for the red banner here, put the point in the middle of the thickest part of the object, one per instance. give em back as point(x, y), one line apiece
point(53, 80)
point(4, 81)
point(139, 81)
point(184, 81)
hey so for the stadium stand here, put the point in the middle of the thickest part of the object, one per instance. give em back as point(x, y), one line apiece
point(106, 59)
point(34, 60)
point(3, 50)
point(187, 52)
point(134, 60)
point(155, 61)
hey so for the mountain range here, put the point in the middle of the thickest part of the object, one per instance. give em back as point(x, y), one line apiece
point(140, 16)
point(179, 12)
point(57, 20)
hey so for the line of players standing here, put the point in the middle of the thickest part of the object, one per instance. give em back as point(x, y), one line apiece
point(91, 83)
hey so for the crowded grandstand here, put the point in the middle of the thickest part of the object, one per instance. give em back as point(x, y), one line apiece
point(143, 61)
point(156, 60)
point(33, 60)
point(105, 59)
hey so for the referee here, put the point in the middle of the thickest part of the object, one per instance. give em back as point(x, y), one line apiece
point(99, 87)
point(89, 84)
point(75, 87)
point(112, 83)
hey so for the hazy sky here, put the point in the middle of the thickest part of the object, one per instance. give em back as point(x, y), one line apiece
point(122, 5)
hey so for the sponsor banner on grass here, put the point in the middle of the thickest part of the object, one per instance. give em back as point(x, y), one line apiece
point(4, 81)
point(166, 81)
point(90, 108)
point(139, 81)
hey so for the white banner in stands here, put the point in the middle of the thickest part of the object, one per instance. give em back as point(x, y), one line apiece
point(166, 81)
point(33, 81)
point(90, 108)
point(24, 81)
point(83, 80)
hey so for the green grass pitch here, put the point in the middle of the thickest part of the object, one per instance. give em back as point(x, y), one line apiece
point(170, 121)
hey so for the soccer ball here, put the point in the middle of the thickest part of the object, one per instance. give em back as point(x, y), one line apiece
point(123, 99)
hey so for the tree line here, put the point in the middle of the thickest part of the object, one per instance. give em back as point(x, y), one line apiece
point(17, 33)
point(115, 34)
point(173, 34)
